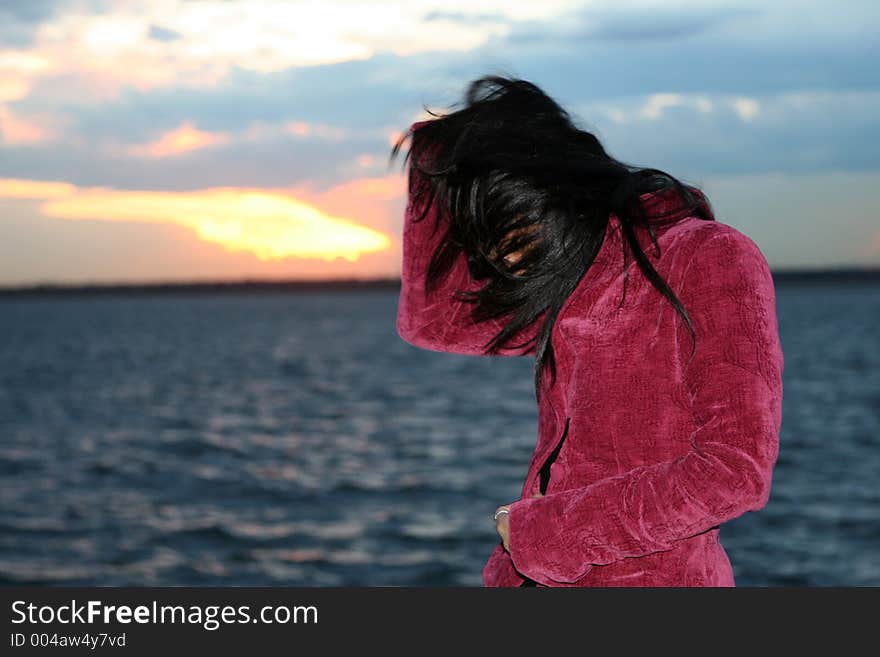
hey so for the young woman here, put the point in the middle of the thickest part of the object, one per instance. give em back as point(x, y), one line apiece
point(658, 365)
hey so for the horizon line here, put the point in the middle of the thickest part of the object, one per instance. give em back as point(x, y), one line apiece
point(790, 274)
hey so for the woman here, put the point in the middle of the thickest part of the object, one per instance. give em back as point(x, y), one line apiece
point(659, 386)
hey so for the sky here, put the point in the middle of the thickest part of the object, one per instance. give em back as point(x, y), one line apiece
point(189, 140)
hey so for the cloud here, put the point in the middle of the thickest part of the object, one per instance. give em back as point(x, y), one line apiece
point(655, 23)
point(197, 44)
point(746, 108)
point(20, 130)
point(777, 47)
point(303, 124)
point(699, 134)
point(655, 107)
point(318, 122)
point(181, 140)
point(300, 132)
point(19, 20)
point(163, 34)
point(596, 24)
point(17, 130)
point(465, 18)
point(16, 71)
point(656, 104)
point(34, 189)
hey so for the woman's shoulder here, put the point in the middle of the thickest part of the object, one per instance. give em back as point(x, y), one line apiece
point(698, 236)
point(709, 246)
point(695, 230)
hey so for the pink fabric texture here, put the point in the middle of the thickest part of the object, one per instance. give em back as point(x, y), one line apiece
point(657, 448)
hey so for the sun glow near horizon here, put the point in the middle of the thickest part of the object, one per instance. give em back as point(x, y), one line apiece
point(270, 224)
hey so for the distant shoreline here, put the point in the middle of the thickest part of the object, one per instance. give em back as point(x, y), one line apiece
point(810, 276)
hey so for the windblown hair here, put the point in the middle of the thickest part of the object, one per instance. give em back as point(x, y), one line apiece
point(516, 177)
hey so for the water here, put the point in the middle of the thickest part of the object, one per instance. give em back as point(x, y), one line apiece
point(294, 439)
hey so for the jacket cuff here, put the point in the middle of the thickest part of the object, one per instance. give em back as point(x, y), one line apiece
point(529, 521)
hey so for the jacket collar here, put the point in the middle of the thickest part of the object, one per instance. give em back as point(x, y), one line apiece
point(669, 201)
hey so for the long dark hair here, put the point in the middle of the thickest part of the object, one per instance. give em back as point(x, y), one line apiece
point(517, 177)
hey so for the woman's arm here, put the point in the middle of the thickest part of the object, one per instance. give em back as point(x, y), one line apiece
point(735, 384)
point(437, 321)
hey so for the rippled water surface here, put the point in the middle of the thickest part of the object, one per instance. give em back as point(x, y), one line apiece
point(294, 439)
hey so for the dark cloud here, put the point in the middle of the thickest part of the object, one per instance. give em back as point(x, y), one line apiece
point(465, 18)
point(164, 34)
point(591, 70)
point(664, 24)
point(19, 19)
point(655, 24)
point(28, 11)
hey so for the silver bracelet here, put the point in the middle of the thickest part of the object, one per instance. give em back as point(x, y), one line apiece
point(500, 511)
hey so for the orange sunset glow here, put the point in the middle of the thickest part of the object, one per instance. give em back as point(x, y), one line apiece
point(271, 225)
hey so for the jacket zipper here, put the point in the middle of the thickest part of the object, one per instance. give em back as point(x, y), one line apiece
point(544, 472)
point(544, 475)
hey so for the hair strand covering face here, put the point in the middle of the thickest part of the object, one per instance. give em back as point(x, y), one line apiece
point(528, 196)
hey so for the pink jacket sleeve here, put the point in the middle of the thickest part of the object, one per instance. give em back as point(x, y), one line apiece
point(735, 385)
point(438, 321)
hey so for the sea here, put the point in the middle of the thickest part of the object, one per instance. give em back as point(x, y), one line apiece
point(284, 438)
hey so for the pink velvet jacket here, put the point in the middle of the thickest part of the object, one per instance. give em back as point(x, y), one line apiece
point(648, 450)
